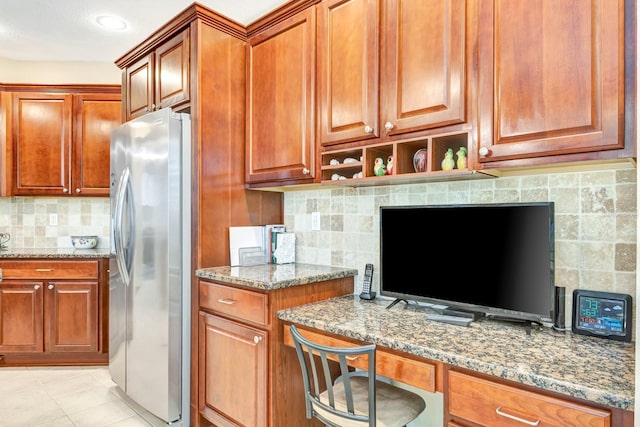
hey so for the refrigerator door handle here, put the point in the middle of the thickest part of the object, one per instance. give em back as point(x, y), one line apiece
point(119, 238)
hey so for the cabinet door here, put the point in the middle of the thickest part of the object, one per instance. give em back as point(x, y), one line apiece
point(280, 97)
point(21, 308)
point(172, 71)
point(95, 116)
point(423, 82)
point(233, 372)
point(41, 134)
point(557, 79)
point(71, 319)
point(138, 84)
point(348, 70)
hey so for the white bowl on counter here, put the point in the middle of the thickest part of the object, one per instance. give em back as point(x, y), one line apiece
point(84, 242)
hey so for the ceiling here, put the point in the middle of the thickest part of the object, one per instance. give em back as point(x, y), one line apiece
point(66, 30)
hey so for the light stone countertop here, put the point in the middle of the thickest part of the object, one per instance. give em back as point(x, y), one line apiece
point(55, 253)
point(275, 276)
point(590, 368)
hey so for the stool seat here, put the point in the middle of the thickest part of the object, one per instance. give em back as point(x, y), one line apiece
point(347, 401)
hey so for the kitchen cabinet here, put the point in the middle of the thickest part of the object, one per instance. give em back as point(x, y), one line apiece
point(424, 56)
point(280, 146)
point(552, 82)
point(159, 79)
point(398, 86)
point(60, 142)
point(243, 363)
point(53, 311)
point(235, 355)
point(475, 401)
point(95, 116)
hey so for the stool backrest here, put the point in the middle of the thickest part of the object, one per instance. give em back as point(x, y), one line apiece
point(322, 395)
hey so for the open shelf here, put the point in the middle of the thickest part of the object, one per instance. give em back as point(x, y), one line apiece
point(411, 160)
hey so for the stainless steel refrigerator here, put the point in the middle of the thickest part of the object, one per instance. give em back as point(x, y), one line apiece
point(149, 279)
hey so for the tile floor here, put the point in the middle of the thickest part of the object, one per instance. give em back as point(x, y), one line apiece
point(66, 397)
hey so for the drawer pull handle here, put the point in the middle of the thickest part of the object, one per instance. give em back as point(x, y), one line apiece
point(513, 417)
point(351, 358)
point(227, 301)
point(43, 270)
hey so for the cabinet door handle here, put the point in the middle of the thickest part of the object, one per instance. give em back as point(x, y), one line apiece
point(388, 125)
point(483, 151)
point(50, 287)
point(306, 171)
point(257, 339)
point(36, 287)
point(227, 301)
point(77, 190)
point(43, 270)
point(513, 417)
point(351, 358)
point(368, 129)
point(65, 190)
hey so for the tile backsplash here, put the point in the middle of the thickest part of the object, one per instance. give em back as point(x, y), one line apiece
point(595, 222)
point(47, 222)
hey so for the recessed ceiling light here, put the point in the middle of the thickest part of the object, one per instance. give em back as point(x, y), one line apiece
point(111, 23)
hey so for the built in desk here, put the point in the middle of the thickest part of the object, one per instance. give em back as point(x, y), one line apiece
point(536, 376)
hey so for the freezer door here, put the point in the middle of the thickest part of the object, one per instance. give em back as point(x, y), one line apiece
point(151, 268)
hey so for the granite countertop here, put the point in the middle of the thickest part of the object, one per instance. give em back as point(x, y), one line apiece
point(55, 253)
point(275, 276)
point(590, 368)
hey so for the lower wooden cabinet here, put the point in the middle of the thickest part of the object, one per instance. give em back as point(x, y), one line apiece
point(51, 312)
point(247, 376)
point(235, 355)
point(482, 402)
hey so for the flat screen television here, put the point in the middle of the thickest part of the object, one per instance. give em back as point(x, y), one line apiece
point(493, 259)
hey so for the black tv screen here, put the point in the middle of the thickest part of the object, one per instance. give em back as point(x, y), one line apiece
point(496, 259)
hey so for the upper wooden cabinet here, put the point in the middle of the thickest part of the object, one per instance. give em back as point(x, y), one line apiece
point(422, 55)
point(552, 82)
point(280, 131)
point(159, 79)
point(60, 142)
point(95, 116)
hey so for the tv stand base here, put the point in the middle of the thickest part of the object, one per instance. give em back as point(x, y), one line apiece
point(397, 300)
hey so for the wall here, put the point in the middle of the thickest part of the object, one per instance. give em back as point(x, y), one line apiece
point(595, 228)
point(59, 72)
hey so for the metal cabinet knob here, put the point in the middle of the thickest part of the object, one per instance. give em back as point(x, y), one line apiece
point(77, 190)
point(154, 107)
point(50, 287)
point(483, 151)
point(306, 171)
point(36, 287)
point(368, 129)
point(65, 190)
point(257, 339)
point(388, 126)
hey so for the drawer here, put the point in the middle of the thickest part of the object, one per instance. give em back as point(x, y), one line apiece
point(421, 374)
point(498, 405)
point(49, 270)
point(239, 303)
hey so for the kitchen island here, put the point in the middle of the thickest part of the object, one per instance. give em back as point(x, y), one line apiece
point(507, 357)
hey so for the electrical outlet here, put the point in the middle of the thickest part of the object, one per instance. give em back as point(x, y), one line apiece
point(53, 219)
point(315, 221)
